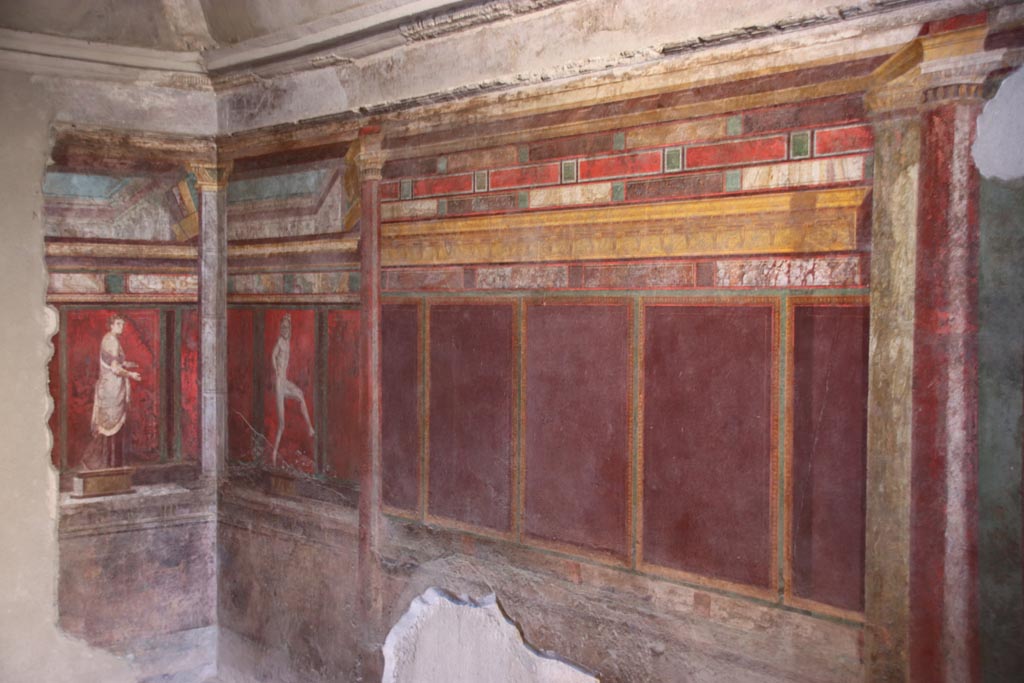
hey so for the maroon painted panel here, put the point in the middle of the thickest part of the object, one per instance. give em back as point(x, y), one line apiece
point(55, 391)
point(294, 391)
point(400, 388)
point(707, 440)
point(243, 436)
point(138, 440)
point(189, 382)
point(830, 373)
point(577, 424)
point(471, 374)
point(344, 416)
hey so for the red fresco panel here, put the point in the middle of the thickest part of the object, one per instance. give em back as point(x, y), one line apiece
point(733, 153)
point(242, 428)
point(840, 140)
point(55, 391)
point(830, 373)
point(140, 341)
point(577, 424)
point(189, 409)
point(443, 185)
point(580, 145)
point(707, 441)
point(525, 176)
point(297, 445)
point(400, 387)
point(471, 394)
point(344, 415)
point(611, 167)
point(804, 115)
point(389, 190)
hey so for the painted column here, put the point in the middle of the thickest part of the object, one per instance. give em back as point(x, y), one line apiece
point(944, 474)
point(921, 569)
point(369, 162)
point(890, 409)
point(211, 180)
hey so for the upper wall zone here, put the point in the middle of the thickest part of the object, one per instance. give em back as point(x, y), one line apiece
point(767, 196)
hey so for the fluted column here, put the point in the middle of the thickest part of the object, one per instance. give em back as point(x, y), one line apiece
point(211, 181)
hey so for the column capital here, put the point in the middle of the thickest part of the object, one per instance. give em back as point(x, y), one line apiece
point(211, 176)
point(938, 66)
point(365, 155)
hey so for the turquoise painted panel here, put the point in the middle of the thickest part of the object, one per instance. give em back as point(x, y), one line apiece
point(276, 187)
point(82, 185)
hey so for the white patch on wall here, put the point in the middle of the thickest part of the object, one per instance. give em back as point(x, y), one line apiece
point(442, 639)
point(999, 146)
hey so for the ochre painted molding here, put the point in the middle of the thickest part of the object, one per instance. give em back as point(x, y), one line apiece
point(782, 223)
point(288, 248)
point(123, 250)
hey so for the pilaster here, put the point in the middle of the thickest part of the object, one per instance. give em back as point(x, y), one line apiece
point(921, 569)
point(211, 182)
point(366, 160)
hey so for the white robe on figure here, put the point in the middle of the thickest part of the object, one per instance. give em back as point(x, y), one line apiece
point(113, 389)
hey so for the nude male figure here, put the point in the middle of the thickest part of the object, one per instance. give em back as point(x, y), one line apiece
point(284, 387)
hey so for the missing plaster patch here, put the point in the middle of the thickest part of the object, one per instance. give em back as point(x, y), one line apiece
point(442, 638)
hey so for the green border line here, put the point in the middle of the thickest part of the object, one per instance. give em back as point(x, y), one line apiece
point(422, 408)
point(782, 455)
point(518, 497)
point(635, 510)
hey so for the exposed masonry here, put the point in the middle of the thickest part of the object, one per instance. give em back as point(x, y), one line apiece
point(228, 81)
point(832, 16)
point(453, 22)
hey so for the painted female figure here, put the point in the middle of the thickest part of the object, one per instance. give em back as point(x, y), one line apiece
point(110, 401)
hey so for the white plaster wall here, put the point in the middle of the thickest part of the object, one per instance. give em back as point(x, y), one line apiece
point(999, 147)
point(440, 639)
point(31, 647)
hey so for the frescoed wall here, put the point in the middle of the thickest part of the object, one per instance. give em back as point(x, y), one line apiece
point(307, 366)
point(644, 348)
point(291, 256)
point(112, 205)
point(296, 200)
point(161, 408)
point(120, 242)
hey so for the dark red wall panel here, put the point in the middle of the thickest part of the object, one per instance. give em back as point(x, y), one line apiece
point(242, 428)
point(344, 432)
point(707, 441)
point(830, 373)
point(471, 395)
point(577, 424)
point(140, 436)
point(189, 409)
point(400, 387)
point(297, 446)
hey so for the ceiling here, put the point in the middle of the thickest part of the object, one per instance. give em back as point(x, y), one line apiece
point(191, 25)
point(228, 34)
